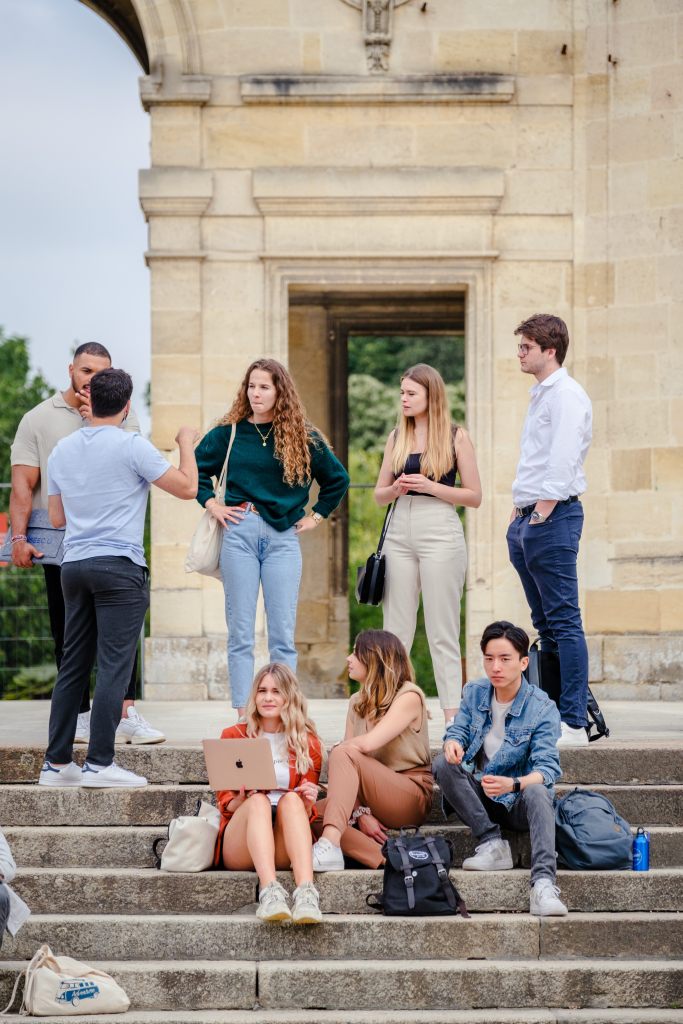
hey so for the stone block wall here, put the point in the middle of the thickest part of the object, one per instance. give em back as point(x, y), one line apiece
point(528, 154)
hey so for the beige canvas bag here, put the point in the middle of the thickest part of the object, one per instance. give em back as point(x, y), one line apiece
point(57, 986)
point(191, 841)
point(204, 552)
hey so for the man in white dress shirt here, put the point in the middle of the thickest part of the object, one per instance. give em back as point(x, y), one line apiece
point(547, 518)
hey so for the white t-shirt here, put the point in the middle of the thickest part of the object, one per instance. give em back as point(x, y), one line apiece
point(496, 734)
point(280, 752)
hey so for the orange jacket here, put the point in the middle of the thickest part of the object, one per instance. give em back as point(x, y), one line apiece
point(224, 796)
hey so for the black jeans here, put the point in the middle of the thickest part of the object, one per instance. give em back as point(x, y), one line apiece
point(531, 812)
point(55, 608)
point(106, 600)
point(4, 910)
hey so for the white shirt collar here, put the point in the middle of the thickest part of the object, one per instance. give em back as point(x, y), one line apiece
point(549, 381)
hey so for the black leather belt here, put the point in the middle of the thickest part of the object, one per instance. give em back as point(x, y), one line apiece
point(528, 509)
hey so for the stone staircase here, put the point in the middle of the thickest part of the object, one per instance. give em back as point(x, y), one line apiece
point(189, 948)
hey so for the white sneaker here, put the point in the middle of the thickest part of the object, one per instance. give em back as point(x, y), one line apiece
point(306, 908)
point(544, 900)
point(111, 777)
point(272, 904)
point(83, 728)
point(327, 856)
point(493, 855)
point(68, 775)
point(572, 737)
point(136, 729)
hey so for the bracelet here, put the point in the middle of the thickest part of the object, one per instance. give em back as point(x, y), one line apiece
point(358, 813)
point(316, 517)
point(18, 537)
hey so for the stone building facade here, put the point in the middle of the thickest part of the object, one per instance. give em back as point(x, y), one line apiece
point(318, 163)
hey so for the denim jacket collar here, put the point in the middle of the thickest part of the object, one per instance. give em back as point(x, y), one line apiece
point(517, 704)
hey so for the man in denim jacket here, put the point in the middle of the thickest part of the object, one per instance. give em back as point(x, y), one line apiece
point(500, 763)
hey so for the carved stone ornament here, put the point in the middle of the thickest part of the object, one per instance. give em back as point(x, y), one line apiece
point(378, 19)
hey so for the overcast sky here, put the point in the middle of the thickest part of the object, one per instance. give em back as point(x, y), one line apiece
point(72, 235)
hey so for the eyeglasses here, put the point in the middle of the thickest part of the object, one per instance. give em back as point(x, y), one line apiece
point(523, 349)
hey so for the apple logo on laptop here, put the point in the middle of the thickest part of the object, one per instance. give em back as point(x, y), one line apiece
point(238, 764)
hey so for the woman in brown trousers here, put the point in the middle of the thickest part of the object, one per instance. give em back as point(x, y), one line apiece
point(380, 775)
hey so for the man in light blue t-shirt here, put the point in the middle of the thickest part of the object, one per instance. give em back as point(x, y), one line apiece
point(98, 481)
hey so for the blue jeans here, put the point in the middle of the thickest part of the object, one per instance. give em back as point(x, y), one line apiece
point(4, 910)
point(545, 558)
point(254, 553)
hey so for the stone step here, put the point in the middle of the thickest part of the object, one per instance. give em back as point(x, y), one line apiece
point(404, 984)
point(348, 937)
point(618, 763)
point(144, 890)
point(173, 985)
point(645, 1015)
point(156, 805)
point(100, 846)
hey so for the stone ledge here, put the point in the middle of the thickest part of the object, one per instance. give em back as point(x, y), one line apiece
point(380, 190)
point(176, 90)
point(347, 89)
point(175, 192)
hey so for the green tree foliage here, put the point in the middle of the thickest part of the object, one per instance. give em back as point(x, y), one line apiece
point(386, 357)
point(25, 641)
point(20, 390)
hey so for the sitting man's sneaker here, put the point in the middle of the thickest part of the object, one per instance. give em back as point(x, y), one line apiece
point(67, 775)
point(306, 904)
point(136, 729)
point(572, 737)
point(327, 856)
point(83, 728)
point(272, 904)
point(94, 776)
point(493, 855)
point(544, 900)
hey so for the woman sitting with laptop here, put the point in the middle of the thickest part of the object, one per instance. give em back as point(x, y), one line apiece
point(270, 831)
point(380, 775)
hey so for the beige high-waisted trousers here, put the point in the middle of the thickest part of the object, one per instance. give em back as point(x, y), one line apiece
point(425, 552)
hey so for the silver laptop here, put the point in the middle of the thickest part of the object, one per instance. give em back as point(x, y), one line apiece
point(231, 764)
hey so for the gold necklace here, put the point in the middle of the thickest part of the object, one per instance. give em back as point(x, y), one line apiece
point(264, 439)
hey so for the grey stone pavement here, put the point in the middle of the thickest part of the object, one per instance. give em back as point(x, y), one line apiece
point(186, 723)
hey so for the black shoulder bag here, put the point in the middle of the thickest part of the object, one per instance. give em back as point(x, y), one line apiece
point(416, 881)
point(370, 577)
point(544, 672)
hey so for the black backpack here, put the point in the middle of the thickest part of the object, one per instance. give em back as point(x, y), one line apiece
point(589, 833)
point(416, 882)
point(544, 672)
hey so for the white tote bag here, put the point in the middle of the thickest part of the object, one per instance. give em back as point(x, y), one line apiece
point(204, 552)
point(57, 986)
point(191, 840)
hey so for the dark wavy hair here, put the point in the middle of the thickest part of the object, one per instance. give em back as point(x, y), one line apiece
point(503, 630)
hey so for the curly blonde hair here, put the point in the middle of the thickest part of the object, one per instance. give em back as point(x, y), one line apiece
point(292, 432)
point(294, 715)
point(388, 668)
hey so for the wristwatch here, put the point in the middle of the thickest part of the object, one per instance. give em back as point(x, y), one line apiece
point(517, 786)
point(537, 517)
point(316, 517)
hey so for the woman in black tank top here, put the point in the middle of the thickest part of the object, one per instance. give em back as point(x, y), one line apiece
point(425, 547)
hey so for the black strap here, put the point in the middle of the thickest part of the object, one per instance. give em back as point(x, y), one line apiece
point(455, 900)
point(441, 872)
point(407, 873)
point(157, 855)
point(385, 527)
point(375, 900)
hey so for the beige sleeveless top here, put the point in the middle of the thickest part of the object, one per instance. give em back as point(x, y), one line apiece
point(410, 749)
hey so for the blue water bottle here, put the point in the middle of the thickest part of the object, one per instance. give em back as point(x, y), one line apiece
point(641, 850)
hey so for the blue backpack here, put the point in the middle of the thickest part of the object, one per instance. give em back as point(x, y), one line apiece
point(589, 834)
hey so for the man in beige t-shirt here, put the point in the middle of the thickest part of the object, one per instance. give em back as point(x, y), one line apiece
point(39, 431)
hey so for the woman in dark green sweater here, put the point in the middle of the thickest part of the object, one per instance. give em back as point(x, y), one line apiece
point(274, 458)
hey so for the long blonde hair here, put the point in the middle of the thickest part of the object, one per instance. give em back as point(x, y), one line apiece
point(438, 457)
point(297, 725)
point(292, 432)
point(388, 668)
